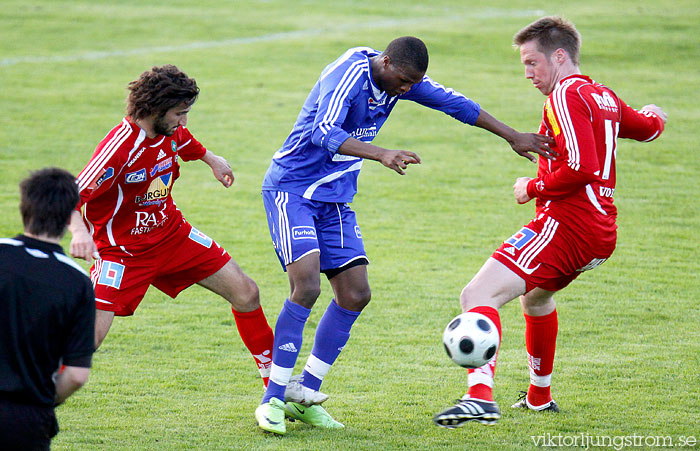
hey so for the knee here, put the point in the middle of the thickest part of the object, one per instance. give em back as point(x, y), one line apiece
point(305, 293)
point(537, 306)
point(252, 295)
point(355, 300)
point(248, 298)
point(469, 298)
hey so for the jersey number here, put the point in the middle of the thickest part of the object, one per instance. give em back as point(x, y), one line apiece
point(611, 131)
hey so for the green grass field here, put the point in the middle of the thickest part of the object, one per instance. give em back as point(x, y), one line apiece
point(177, 376)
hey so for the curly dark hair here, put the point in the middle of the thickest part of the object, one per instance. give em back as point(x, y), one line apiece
point(159, 89)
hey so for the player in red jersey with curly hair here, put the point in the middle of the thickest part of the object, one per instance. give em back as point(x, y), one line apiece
point(130, 219)
point(574, 228)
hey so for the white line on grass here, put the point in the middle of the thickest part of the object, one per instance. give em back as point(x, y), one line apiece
point(486, 14)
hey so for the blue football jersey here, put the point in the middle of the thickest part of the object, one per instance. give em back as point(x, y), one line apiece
point(345, 103)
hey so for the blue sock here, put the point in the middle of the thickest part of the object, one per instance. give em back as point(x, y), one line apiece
point(287, 344)
point(332, 334)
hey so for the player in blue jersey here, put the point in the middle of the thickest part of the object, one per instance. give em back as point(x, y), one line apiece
point(306, 190)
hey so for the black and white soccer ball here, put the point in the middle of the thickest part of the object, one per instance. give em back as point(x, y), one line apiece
point(471, 340)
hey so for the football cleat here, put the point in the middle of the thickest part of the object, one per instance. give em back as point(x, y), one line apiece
point(297, 393)
point(270, 416)
point(523, 403)
point(313, 415)
point(468, 409)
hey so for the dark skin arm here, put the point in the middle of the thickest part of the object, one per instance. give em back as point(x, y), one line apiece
point(398, 160)
point(522, 143)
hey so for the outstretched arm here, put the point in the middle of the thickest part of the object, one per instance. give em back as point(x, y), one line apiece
point(522, 143)
point(398, 160)
point(220, 167)
point(434, 95)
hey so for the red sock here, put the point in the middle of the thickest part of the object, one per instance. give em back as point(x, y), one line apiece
point(541, 341)
point(258, 338)
point(481, 379)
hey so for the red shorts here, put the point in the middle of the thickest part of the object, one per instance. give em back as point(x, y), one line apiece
point(185, 258)
point(549, 255)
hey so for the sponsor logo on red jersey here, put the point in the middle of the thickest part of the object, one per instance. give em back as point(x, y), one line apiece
point(157, 191)
point(161, 166)
point(135, 177)
point(606, 191)
point(136, 157)
point(107, 174)
point(605, 101)
point(147, 221)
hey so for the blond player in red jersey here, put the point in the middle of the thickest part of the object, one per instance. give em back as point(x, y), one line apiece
point(574, 228)
point(132, 226)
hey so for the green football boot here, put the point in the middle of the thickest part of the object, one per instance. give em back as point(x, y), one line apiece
point(270, 416)
point(313, 415)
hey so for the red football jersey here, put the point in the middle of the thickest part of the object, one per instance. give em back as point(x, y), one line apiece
point(126, 187)
point(585, 119)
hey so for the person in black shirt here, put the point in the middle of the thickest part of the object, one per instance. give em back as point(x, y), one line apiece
point(47, 315)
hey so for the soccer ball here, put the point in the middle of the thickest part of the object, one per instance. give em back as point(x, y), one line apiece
point(471, 340)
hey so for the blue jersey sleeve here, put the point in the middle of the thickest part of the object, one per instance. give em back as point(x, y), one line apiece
point(434, 95)
point(338, 85)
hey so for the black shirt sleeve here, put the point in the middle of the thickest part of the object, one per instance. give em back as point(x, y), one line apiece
point(81, 336)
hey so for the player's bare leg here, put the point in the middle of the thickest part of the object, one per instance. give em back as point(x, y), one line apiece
point(103, 321)
point(541, 329)
point(241, 291)
point(305, 287)
point(351, 288)
point(305, 280)
point(538, 302)
point(231, 283)
point(352, 294)
point(493, 286)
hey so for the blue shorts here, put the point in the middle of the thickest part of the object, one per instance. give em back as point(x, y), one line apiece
point(300, 226)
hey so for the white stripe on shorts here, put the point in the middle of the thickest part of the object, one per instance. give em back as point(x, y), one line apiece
point(283, 226)
point(537, 245)
point(340, 221)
